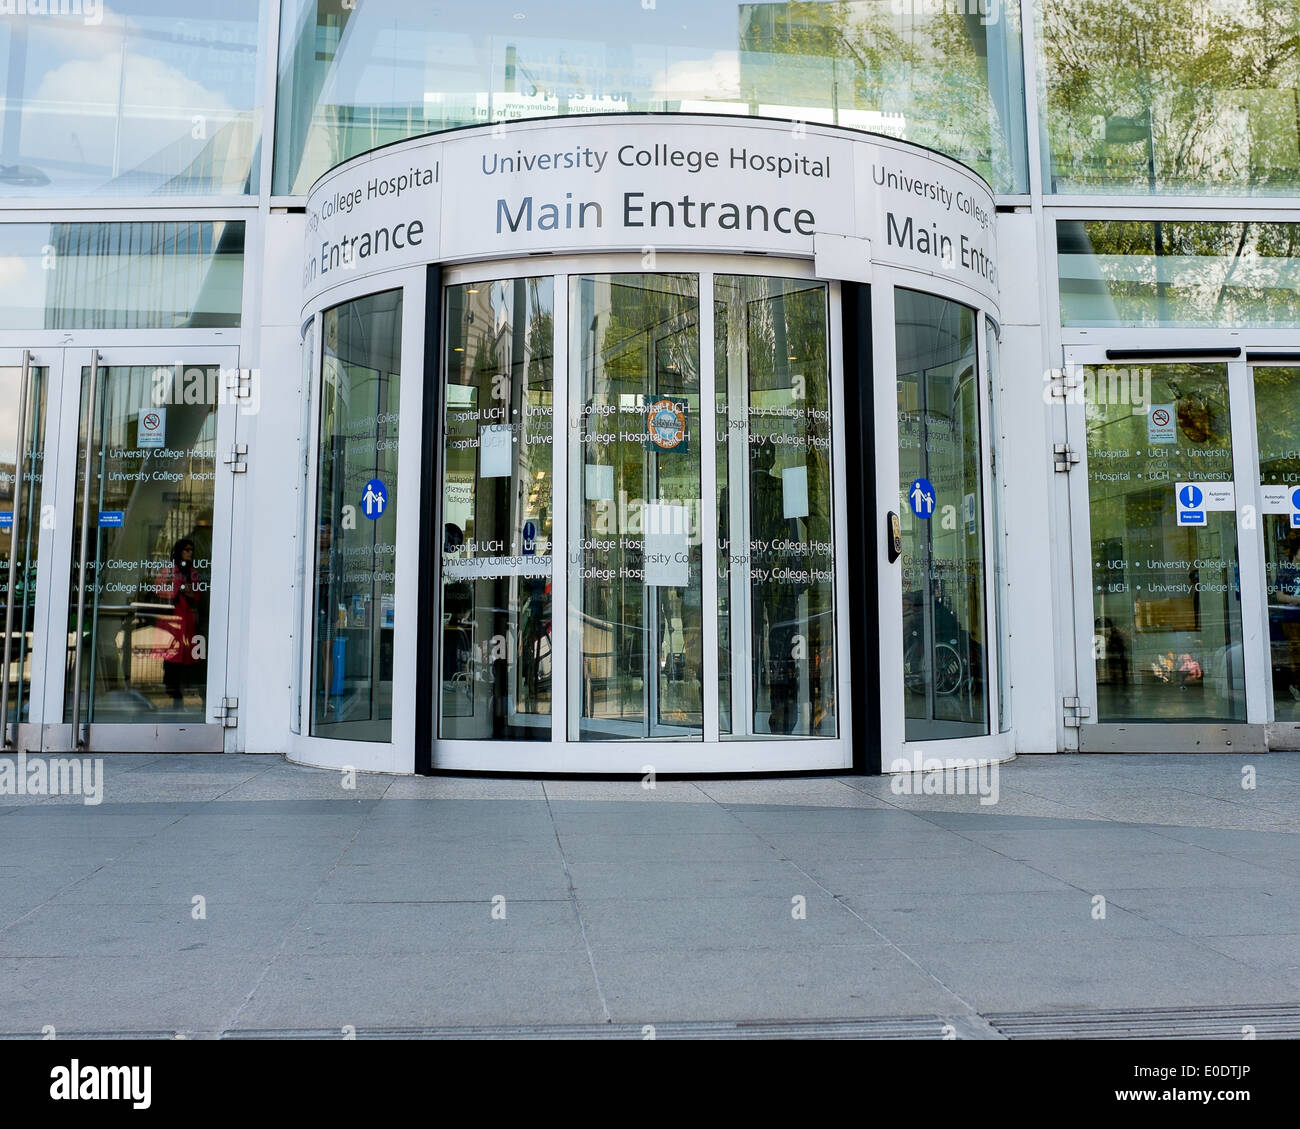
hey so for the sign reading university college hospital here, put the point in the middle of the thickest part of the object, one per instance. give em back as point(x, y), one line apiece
point(637, 182)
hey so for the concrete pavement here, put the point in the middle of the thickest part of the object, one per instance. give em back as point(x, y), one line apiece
point(211, 895)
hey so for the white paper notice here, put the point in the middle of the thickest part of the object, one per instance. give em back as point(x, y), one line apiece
point(1218, 496)
point(794, 491)
point(1276, 499)
point(495, 451)
point(667, 546)
point(600, 483)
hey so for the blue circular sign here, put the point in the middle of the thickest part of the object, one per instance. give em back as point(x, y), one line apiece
point(1191, 496)
point(374, 499)
point(1295, 499)
point(921, 497)
point(530, 538)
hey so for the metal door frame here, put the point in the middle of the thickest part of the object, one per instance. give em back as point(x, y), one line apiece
point(756, 753)
point(1281, 734)
point(1157, 735)
point(54, 585)
point(26, 734)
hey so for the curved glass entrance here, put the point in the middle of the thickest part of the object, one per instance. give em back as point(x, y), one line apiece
point(650, 531)
point(682, 588)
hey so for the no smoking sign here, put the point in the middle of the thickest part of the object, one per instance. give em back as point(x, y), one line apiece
point(152, 430)
point(1160, 424)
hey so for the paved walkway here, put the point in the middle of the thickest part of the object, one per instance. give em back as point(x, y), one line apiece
point(324, 907)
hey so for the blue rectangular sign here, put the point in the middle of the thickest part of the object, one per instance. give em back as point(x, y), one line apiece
point(110, 517)
point(6, 519)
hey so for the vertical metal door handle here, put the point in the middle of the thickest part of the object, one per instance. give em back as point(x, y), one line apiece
point(77, 738)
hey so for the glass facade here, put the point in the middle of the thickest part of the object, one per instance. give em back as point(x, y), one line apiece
point(356, 519)
point(149, 552)
point(1277, 415)
point(1166, 570)
point(134, 99)
point(355, 76)
point(1171, 97)
point(498, 510)
point(1129, 273)
point(637, 440)
point(634, 372)
point(941, 504)
point(690, 549)
point(21, 454)
point(997, 506)
point(156, 275)
point(775, 508)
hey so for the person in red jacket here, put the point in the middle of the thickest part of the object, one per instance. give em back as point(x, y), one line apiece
point(182, 579)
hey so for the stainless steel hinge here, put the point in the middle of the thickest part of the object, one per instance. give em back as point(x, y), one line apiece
point(241, 380)
point(1062, 381)
point(238, 462)
point(1064, 458)
point(1074, 713)
point(225, 713)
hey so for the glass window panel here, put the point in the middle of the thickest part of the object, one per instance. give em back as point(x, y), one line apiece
point(356, 519)
point(162, 275)
point(1172, 96)
point(20, 530)
point(355, 76)
point(939, 399)
point(1277, 417)
point(722, 453)
point(1125, 273)
point(1166, 596)
point(776, 569)
point(136, 98)
point(306, 541)
point(997, 485)
point(497, 510)
point(149, 557)
point(634, 361)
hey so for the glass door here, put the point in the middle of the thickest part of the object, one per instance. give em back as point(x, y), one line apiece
point(1162, 513)
point(665, 438)
point(1276, 389)
point(941, 511)
point(143, 568)
point(24, 380)
point(635, 382)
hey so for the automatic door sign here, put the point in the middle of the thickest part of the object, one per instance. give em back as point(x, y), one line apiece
point(665, 425)
point(1295, 508)
point(1196, 499)
point(112, 519)
point(1275, 498)
point(374, 499)
point(920, 496)
point(1160, 424)
point(530, 538)
point(1190, 499)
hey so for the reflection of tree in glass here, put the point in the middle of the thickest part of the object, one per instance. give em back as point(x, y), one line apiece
point(925, 71)
point(1183, 93)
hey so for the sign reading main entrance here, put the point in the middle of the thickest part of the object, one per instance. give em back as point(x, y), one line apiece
point(645, 184)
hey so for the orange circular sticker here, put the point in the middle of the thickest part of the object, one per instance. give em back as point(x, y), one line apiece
point(665, 425)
